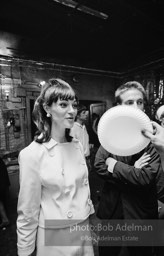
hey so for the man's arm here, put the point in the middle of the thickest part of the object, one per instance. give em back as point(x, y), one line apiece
point(160, 184)
point(100, 163)
point(109, 169)
point(139, 176)
point(128, 174)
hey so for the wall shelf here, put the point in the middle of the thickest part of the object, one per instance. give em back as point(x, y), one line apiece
point(9, 109)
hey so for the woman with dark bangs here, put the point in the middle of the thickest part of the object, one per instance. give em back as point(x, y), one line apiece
point(54, 199)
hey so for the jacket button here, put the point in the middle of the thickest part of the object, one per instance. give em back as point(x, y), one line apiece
point(67, 190)
point(86, 181)
point(89, 201)
point(69, 214)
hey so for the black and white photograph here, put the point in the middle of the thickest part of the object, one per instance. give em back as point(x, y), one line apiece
point(81, 127)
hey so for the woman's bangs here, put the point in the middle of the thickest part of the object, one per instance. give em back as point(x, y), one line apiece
point(63, 94)
point(67, 94)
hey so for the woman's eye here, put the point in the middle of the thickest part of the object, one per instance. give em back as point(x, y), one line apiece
point(74, 106)
point(63, 105)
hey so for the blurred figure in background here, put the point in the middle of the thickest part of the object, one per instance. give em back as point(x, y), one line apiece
point(79, 131)
point(160, 115)
point(95, 121)
point(4, 188)
point(95, 118)
point(94, 136)
point(157, 139)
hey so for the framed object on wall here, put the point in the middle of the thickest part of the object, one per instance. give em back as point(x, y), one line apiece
point(97, 109)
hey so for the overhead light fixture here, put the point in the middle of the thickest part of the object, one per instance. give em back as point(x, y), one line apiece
point(82, 8)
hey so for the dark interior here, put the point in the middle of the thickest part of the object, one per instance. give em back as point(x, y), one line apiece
point(112, 35)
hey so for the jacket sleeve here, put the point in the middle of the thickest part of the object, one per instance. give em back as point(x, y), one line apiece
point(28, 203)
point(100, 166)
point(139, 176)
point(160, 184)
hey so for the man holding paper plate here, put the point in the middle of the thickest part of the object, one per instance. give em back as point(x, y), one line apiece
point(130, 166)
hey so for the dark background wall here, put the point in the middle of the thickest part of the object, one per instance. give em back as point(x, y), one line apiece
point(19, 84)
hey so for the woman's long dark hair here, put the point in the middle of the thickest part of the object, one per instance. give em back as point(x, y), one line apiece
point(53, 90)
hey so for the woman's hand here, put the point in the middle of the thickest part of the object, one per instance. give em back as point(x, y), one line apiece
point(157, 138)
point(142, 161)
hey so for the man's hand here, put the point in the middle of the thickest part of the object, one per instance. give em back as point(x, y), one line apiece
point(157, 138)
point(142, 161)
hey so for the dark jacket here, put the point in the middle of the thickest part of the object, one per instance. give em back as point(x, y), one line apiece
point(129, 192)
point(4, 177)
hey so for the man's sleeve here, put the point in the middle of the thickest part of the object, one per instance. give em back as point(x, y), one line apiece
point(139, 176)
point(160, 184)
point(100, 166)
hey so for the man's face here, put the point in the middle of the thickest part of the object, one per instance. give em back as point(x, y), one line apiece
point(162, 121)
point(134, 98)
point(83, 116)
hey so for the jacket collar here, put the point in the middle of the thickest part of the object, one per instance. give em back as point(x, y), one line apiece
point(52, 143)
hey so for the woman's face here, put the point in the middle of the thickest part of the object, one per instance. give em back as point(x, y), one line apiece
point(134, 98)
point(63, 113)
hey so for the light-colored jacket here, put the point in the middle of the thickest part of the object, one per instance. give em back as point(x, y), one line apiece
point(79, 132)
point(53, 186)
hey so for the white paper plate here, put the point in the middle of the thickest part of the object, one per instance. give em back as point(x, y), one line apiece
point(119, 130)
